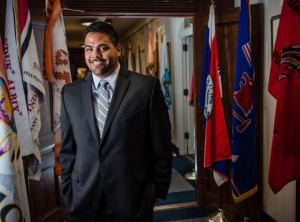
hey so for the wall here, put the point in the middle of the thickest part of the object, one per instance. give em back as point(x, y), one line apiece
point(139, 37)
point(282, 206)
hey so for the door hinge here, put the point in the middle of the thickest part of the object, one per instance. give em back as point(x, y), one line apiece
point(185, 92)
point(185, 47)
point(186, 135)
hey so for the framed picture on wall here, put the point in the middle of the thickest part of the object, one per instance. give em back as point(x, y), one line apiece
point(274, 27)
point(81, 72)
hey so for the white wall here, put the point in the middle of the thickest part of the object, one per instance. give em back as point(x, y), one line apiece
point(140, 37)
point(282, 206)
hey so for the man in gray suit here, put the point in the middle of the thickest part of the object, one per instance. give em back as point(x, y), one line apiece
point(113, 169)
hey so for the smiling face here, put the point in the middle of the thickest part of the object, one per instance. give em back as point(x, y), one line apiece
point(101, 56)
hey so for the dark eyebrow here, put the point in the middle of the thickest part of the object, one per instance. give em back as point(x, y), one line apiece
point(97, 46)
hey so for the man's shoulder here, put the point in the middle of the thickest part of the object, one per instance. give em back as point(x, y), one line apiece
point(75, 86)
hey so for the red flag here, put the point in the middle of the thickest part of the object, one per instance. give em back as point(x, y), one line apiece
point(284, 85)
point(217, 151)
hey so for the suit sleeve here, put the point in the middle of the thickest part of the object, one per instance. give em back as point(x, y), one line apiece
point(160, 129)
point(68, 147)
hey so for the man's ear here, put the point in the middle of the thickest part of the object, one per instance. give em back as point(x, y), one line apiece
point(119, 49)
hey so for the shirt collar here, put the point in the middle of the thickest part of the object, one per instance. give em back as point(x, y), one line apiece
point(111, 79)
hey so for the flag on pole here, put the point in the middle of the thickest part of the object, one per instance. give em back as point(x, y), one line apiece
point(12, 53)
point(129, 60)
point(205, 71)
point(205, 67)
point(34, 84)
point(150, 56)
point(244, 155)
point(57, 65)
point(284, 85)
point(13, 195)
point(217, 153)
point(165, 72)
point(138, 60)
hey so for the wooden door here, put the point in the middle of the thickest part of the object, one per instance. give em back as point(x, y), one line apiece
point(209, 194)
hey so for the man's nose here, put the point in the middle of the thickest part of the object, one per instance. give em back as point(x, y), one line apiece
point(96, 53)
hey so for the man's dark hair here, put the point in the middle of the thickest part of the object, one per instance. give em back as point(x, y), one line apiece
point(104, 28)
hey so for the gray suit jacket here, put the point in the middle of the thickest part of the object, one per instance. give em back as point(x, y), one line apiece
point(131, 164)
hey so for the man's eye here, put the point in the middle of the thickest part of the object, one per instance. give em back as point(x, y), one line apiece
point(102, 48)
point(87, 49)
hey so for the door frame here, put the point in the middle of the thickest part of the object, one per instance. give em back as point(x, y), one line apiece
point(179, 84)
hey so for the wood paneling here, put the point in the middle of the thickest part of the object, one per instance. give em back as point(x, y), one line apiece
point(44, 198)
point(208, 193)
point(134, 7)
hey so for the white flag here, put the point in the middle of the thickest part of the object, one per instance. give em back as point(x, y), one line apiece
point(57, 63)
point(34, 82)
point(15, 81)
point(13, 195)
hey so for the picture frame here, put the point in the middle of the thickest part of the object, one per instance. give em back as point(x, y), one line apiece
point(81, 72)
point(274, 27)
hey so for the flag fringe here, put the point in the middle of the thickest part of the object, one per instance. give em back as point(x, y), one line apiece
point(238, 199)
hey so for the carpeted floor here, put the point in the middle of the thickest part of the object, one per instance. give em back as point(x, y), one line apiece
point(179, 183)
point(179, 215)
point(181, 191)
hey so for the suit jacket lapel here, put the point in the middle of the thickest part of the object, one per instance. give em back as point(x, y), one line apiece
point(87, 99)
point(119, 93)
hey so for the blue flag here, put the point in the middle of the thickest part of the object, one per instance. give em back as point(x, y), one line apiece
point(244, 163)
point(205, 67)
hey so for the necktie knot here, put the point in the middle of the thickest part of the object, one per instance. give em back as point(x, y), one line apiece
point(104, 84)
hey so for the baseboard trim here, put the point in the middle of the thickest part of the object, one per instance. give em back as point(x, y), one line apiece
point(176, 206)
point(266, 217)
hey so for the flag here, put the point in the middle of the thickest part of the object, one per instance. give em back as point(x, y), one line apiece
point(205, 67)
point(217, 154)
point(165, 72)
point(205, 70)
point(12, 57)
point(13, 195)
point(129, 60)
point(192, 89)
point(244, 155)
point(284, 85)
point(57, 65)
point(34, 84)
point(150, 56)
point(138, 60)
